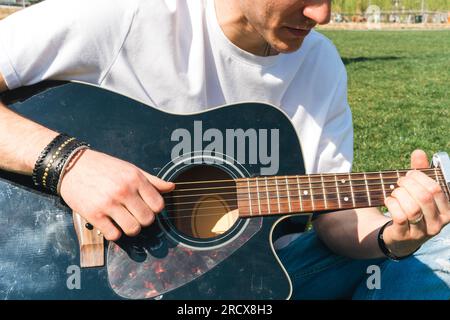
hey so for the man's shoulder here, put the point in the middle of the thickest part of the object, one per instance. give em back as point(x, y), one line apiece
point(95, 11)
point(90, 4)
point(322, 52)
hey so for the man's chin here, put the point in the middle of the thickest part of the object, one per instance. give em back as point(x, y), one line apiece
point(288, 47)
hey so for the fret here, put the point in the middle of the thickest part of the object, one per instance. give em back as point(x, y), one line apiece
point(360, 188)
point(278, 195)
point(269, 211)
point(344, 191)
point(375, 188)
point(242, 197)
point(443, 185)
point(311, 193)
point(317, 192)
point(382, 185)
point(324, 192)
point(392, 183)
point(249, 197)
point(288, 195)
point(299, 195)
point(367, 188)
point(337, 192)
point(284, 197)
point(257, 194)
point(351, 188)
point(331, 197)
point(437, 177)
point(305, 195)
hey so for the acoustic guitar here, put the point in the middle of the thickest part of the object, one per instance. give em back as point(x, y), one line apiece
point(214, 239)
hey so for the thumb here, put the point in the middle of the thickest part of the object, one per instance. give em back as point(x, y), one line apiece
point(161, 185)
point(419, 160)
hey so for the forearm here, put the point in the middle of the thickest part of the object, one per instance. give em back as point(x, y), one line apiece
point(352, 233)
point(21, 141)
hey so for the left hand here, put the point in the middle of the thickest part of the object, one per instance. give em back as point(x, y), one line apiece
point(419, 209)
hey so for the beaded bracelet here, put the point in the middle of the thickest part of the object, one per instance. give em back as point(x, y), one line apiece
point(49, 167)
point(66, 163)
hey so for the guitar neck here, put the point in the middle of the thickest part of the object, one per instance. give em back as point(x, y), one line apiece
point(320, 192)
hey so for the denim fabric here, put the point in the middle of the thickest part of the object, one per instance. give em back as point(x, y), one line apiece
point(318, 273)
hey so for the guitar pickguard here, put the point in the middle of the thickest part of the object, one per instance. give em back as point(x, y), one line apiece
point(138, 271)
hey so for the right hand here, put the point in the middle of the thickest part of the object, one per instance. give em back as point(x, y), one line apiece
point(104, 189)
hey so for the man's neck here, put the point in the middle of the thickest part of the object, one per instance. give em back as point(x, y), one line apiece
point(238, 30)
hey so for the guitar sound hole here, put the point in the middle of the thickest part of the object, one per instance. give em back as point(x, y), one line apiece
point(204, 203)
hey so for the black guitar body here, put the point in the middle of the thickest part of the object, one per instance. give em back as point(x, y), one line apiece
point(39, 252)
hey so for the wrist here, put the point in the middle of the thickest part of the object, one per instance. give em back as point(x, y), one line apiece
point(39, 140)
point(73, 158)
point(53, 161)
point(392, 249)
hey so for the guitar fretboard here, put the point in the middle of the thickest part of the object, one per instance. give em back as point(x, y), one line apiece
point(320, 192)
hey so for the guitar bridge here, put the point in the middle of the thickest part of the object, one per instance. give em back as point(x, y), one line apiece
point(90, 242)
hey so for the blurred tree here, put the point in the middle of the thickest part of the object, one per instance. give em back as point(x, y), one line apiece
point(358, 6)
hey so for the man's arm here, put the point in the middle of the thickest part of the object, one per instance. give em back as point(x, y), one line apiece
point(353, 233)
point(21, 140)
point(92, 187)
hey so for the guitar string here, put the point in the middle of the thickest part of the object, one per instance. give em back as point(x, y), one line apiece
point(317, 175)
point(380, 193)
point(234, 207)
point(304, 187)
point(248, 197)
point(379, 196)
point(308, 186)
point(289, 191)
point(247, 185)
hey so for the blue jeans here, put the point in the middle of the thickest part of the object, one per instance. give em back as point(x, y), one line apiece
point(318, 273)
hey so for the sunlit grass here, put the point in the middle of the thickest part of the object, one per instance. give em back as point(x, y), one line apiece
point(399, 83)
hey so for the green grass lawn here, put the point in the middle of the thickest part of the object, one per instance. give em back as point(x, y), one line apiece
point(399, 92)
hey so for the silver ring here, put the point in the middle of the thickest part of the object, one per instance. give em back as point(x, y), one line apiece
point(416, 221)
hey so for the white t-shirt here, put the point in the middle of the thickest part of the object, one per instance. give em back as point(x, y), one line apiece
point(173, 55)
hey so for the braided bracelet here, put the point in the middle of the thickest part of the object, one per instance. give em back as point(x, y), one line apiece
point(39, 170)
point(52, 161)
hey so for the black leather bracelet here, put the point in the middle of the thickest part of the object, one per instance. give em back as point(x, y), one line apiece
point(383, 247)
point(39, 169)
point(51, 162)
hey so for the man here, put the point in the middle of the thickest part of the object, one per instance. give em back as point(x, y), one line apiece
point(185, 56)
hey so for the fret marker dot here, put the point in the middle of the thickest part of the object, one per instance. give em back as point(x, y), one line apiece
point(343, 180)
point(392, 187)
point(305, 192)
point(346, 199)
